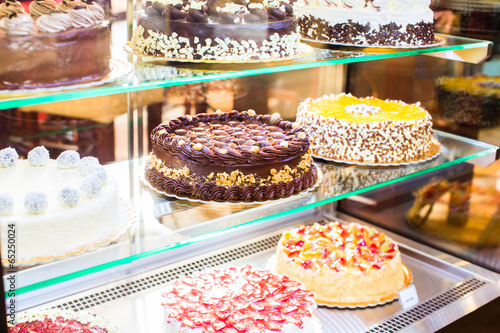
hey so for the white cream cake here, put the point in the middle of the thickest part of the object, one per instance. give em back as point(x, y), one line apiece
point(56, 207)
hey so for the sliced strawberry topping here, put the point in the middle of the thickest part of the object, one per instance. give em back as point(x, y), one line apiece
point(56, 326)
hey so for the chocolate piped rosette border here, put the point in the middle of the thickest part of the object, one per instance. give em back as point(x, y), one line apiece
point(233, 157)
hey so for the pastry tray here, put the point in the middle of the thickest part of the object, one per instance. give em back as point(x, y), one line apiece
point(446, 291)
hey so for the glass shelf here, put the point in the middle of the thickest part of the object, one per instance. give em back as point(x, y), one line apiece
point(157, 74)
point(164, 224)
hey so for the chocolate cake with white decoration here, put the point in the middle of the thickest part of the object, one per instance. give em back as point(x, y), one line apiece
point(217, 30)
point(400, 23)
point(234, 156)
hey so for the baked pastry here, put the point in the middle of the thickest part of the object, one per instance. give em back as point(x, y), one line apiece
point(238, 299)
point(469, 100)
point(57, 207)
point(50, 48)
point(217, 30)
point(53, 321)
point(234, 156)
point(367, 130)
point(462, 212)
point(344, 265)
point(400, 23)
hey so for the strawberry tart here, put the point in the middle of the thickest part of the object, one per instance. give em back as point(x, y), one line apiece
point(344, 265)
point(238, 299)
point(53, 321)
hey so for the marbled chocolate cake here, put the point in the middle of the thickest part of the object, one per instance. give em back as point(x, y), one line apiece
point(235, 156)
point(217, 29)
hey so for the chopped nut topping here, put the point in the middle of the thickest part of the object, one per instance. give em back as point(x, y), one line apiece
point(219, 112)
point(162, 131)
point(295, 125)
point(284, 144)
point(251, 113)
point(181, 142)
point(254, 149)
point(276, 115)
point(197, 146)
point(301, 135)
point(223, 151)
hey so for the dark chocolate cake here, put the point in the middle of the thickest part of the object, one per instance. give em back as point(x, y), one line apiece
point(235, 156)
point(50, 48)
point(217, 30)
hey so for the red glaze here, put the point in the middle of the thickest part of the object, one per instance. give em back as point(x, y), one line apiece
point(60, 325)
point(237, 300)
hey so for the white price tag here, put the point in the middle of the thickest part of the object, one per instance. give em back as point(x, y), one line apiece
point(408, 297)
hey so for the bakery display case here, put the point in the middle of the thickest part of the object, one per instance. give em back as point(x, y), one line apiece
point(451, 252)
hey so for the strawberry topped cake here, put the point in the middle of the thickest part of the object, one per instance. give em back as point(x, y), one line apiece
point(238, 299)
point(344, 265)
point(57, 321)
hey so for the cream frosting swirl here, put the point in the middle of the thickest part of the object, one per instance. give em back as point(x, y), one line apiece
point(55, 22)
point(356, 4)
point(81, 18)
point(41, 7)
point(98, 12)
point(68, 5)
point(18, 25)
point(11, 7)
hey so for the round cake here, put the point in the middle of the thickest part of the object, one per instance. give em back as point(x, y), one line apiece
point(54, 208)
point(400, 23)
point(469, 100)
point(56, 321)
point(237, 299)
point(56, 45)
point(234, 156)
point(344, 265)
point(367, 130)
point(217, 30)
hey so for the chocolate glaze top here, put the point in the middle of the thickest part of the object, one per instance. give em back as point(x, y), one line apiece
point(231, 139)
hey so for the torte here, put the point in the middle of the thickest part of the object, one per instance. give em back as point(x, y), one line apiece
point(470, 100)
point(217, 30)
point(367, 130)
point(238, 299)
point(56, 321)
point(55, 207)
point(54, 45)
point(344, 265)
point(234, 156)
point(400, 23)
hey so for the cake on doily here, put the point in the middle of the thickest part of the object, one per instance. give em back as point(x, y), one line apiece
point(238, 299)
point(344, 265)
point(56, 44)
point(367, 22)
point(55, 321)
point(54, 208)
point(367, 130)
point(217, 30)
point(234, 156)
point(470, 100)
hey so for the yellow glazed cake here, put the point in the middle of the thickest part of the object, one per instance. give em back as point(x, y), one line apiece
point(367, 130)
point(344, 265)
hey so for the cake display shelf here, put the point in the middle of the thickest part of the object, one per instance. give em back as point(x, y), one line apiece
point(456, 48)
point(447, 289)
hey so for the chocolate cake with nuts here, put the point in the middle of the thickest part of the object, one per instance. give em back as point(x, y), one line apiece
point(230, 30)
point(235, 157)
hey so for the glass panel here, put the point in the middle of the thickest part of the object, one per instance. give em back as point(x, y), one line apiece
point(149, 75)
point(165, 224)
